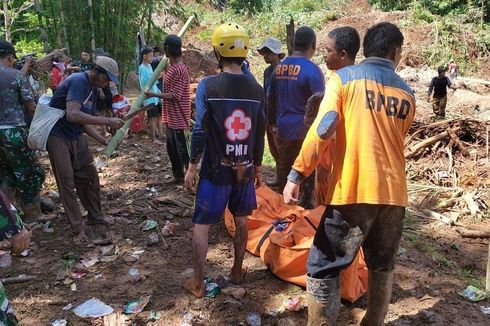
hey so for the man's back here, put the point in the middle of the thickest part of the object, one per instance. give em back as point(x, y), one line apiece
point(376, 108)
point(14, 92)
point(230, 108)
point(440, 86)
point(296, 79)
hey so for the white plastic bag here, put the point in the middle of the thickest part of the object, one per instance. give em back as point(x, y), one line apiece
point(44, 120)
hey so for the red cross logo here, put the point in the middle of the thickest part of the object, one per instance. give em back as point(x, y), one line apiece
point(237, 125)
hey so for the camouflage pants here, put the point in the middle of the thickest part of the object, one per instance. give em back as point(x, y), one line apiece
point(19, 169)
point(7, 316)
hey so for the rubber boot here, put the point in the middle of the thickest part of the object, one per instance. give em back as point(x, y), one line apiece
point(323, 299)
point(379, 295)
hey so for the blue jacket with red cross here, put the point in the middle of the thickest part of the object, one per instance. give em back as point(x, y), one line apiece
point(229, 130)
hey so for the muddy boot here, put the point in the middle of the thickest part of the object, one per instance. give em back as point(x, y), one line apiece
point(32, 211)
point(379, 295)
point(323, 298)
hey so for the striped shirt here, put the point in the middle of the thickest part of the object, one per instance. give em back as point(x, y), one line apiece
point(177, 112)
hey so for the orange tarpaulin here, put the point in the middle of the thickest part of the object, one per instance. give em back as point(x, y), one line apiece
point(285, 249)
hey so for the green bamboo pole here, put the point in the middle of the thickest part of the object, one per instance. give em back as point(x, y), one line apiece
point(102, 160)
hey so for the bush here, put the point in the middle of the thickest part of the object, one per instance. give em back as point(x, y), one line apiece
point(25, 46)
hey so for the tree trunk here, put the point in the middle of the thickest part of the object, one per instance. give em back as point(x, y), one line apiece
point(42, 31)
point(290, 36)
point(6, 21)
point(92, 27)
point(63, 26)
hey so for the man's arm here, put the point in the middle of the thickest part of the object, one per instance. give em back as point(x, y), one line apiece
point(75, 115)
point(92, 132)
point(312, 107)
point(271, 101)
point(431, 86)
point(201, 125)
point(199, 135)
point(260, 136)
point(316, 140)
point(26, 96)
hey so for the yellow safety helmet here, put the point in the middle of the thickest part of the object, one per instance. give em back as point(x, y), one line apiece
point(231, 40)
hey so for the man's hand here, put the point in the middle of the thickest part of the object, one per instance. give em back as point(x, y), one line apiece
point(149, 94)
point(258, 177)
point(190, 177)
point(291, 193)
point(114, 123)
point(20, 241)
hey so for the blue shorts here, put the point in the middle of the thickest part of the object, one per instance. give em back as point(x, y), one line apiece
point(211, 201)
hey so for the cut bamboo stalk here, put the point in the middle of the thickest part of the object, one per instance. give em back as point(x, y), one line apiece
point(102, 160)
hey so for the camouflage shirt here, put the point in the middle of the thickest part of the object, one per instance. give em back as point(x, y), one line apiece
point(14, 92)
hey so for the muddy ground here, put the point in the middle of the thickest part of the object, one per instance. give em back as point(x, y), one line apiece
point(433, 265)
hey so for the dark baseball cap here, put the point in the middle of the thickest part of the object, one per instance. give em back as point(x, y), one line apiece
point(173, 41)
point(7, 48)
point(441, 69)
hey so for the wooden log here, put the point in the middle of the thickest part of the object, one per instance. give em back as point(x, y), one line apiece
point(412, 151)
point(18, 279)
point(474, 234)
point(290, 36)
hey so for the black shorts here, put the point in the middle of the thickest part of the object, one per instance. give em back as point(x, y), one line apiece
point(342, 231)
point(155, 111)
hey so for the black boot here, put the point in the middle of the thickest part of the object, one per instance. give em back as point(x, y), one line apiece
point(323, 298)
point(379, 295)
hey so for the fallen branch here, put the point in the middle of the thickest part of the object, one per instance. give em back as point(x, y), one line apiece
point(412, 151)
point(441, 218)
point(474, 234)
point(18, 279)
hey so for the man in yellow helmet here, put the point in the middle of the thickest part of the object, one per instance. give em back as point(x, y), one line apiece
point(228, 136)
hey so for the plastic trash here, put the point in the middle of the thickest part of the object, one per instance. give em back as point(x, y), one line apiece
point(154, 315)
point(78, 275)
point(253, 319)
point(136, 306)
point(148, 225)
point(485, 310)
point(134, 274)
point(168, 228)
point(293, 304)
point(152, 239)
point(73, 287)
point(5, 259)
point(93, 308)
point(474, 294)
point(48, 227)
point(67, 307)
point(187, 319)
point(59, 322)
point(212, 288)
point(280, 225)
point(89, 262)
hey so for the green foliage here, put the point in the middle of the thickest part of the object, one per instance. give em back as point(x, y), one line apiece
point(420, 13)
point(26, 45)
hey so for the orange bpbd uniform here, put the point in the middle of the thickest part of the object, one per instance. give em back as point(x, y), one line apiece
point(375, 108)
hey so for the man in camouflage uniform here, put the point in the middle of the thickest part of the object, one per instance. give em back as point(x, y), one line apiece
point(19, 170)
point(11, 229)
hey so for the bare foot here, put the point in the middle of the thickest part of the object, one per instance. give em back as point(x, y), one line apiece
point(196, 289)
point(238, 278)
point(81, 239)
point(104, 220)
point(358, 315)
